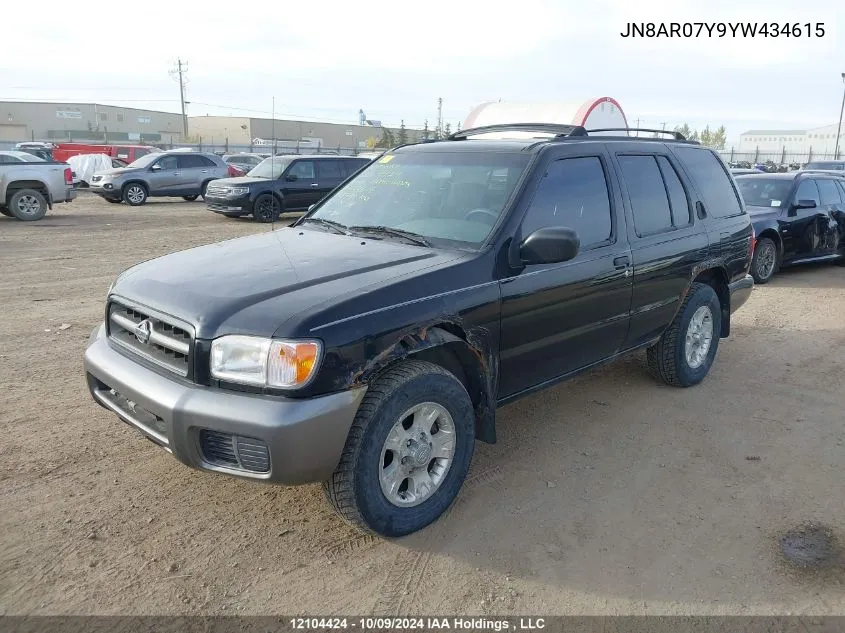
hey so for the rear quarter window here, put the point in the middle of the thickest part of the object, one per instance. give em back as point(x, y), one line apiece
point(711, 178)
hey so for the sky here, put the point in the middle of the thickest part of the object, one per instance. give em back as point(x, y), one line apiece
point(326, 60)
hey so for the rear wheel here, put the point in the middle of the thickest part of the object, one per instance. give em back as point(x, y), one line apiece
point(266, 208)
point(407, 453)
point(202, 190)
point(684, 354)
point(135, 194)
point(28, 205)
point(765, 261)
point(191, 198)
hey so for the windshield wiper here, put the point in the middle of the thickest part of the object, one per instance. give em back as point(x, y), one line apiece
point(337, 227)
point(416, 238)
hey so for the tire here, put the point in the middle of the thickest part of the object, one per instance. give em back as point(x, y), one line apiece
point(135, 194)
point(113, 201)
point(191, 198)
point(668, 360)
point(764, 264)
point(6, 212)
point(266, 208)
point(356, 489)
point(28, 205)
point(203, 187)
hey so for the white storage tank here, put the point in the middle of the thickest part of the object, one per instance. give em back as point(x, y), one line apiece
point(598, 112)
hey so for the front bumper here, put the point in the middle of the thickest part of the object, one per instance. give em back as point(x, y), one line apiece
point(106, 189)
point(229, 206)
point(740, 292)
point(304, 437)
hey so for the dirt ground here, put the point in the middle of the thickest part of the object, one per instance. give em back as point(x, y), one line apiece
point(609, 494)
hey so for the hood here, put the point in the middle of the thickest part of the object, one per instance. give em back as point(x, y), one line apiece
point(117, 171)
point(254, 284)
point(240, 181)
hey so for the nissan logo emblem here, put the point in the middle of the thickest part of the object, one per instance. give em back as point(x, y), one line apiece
point(143, 331)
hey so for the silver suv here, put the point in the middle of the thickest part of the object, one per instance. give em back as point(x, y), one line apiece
point(177, 173)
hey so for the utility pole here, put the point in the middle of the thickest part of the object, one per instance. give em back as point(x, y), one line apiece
point(637, 126)
point(839, 129)
point(440, 117)
point(178, 73)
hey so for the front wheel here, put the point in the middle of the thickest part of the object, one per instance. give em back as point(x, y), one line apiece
point(113, 200)
point(190, 198)
point(407, 453)
point(684, 354)
point(765, 261)
point(266, 208)
point(6, 212)
point(135, 194)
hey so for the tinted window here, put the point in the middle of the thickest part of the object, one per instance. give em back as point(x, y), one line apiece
point(192, 161)
point(760, 191)
point(329, 170)
point(708, 173)
point(353, 165)
point(807, 190)
point(141, 152)
point(649, 202)
point(168, 162)
point(677, 194)
point(303, 169)
point(572, 194)
point(828, 192)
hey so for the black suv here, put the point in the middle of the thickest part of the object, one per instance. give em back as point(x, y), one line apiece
point(279, 184)
point(369, 344)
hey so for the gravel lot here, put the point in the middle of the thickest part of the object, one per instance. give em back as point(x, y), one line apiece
point(609, 494)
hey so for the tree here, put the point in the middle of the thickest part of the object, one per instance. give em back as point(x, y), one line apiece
point(425, 130)
point(403, 133)
point(719, 138)
point(684, 129)
point(387, 141)
point(447, 130)
point(706, 136)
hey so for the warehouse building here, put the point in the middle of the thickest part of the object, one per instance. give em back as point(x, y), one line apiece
point(27, 120)
point(820, 141)
point(217, 130)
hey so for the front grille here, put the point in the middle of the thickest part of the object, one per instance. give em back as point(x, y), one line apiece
point(216, 206)
point(163, 343)
point(216, 192)
point(235, 451)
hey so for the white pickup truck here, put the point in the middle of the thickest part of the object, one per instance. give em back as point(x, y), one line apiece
point(30, 185)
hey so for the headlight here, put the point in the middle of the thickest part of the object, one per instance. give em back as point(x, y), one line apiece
point(237, 191)
point(264, 362)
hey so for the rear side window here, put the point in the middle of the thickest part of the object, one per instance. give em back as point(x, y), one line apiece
point(329, 170)
point(649, 202)
point(677, 194)
point(353, 165)
point(188, 161)
point(572, 194)
point(828, 192)
point(712, 180)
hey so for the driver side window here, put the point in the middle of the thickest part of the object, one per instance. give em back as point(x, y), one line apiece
point(303, 170)
point(168, 163)
point(573, 194)
point(807, 190)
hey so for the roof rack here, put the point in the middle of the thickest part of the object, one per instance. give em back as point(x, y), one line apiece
point(677, 135)
point(558, 130)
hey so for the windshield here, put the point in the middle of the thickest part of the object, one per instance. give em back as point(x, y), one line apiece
point(454, 197)
point(270, 167)
point(827, 164)
point(763, 192)
point(145, 161)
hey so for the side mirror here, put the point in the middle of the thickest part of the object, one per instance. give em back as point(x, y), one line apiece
point(291, 177)
point(801, 204)
point(156, 167)
point(550, 245)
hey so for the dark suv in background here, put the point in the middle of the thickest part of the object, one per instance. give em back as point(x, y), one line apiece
point(368, 345)
point(279, 184)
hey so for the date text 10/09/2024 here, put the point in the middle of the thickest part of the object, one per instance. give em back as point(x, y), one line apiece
point(723, 29)
point(418, 623)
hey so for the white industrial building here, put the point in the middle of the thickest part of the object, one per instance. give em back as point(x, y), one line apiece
point(817, 142)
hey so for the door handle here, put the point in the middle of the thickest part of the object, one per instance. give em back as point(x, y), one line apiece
point(176, 173)
point(315, 184)
point(203, 171)
point(621, 262)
